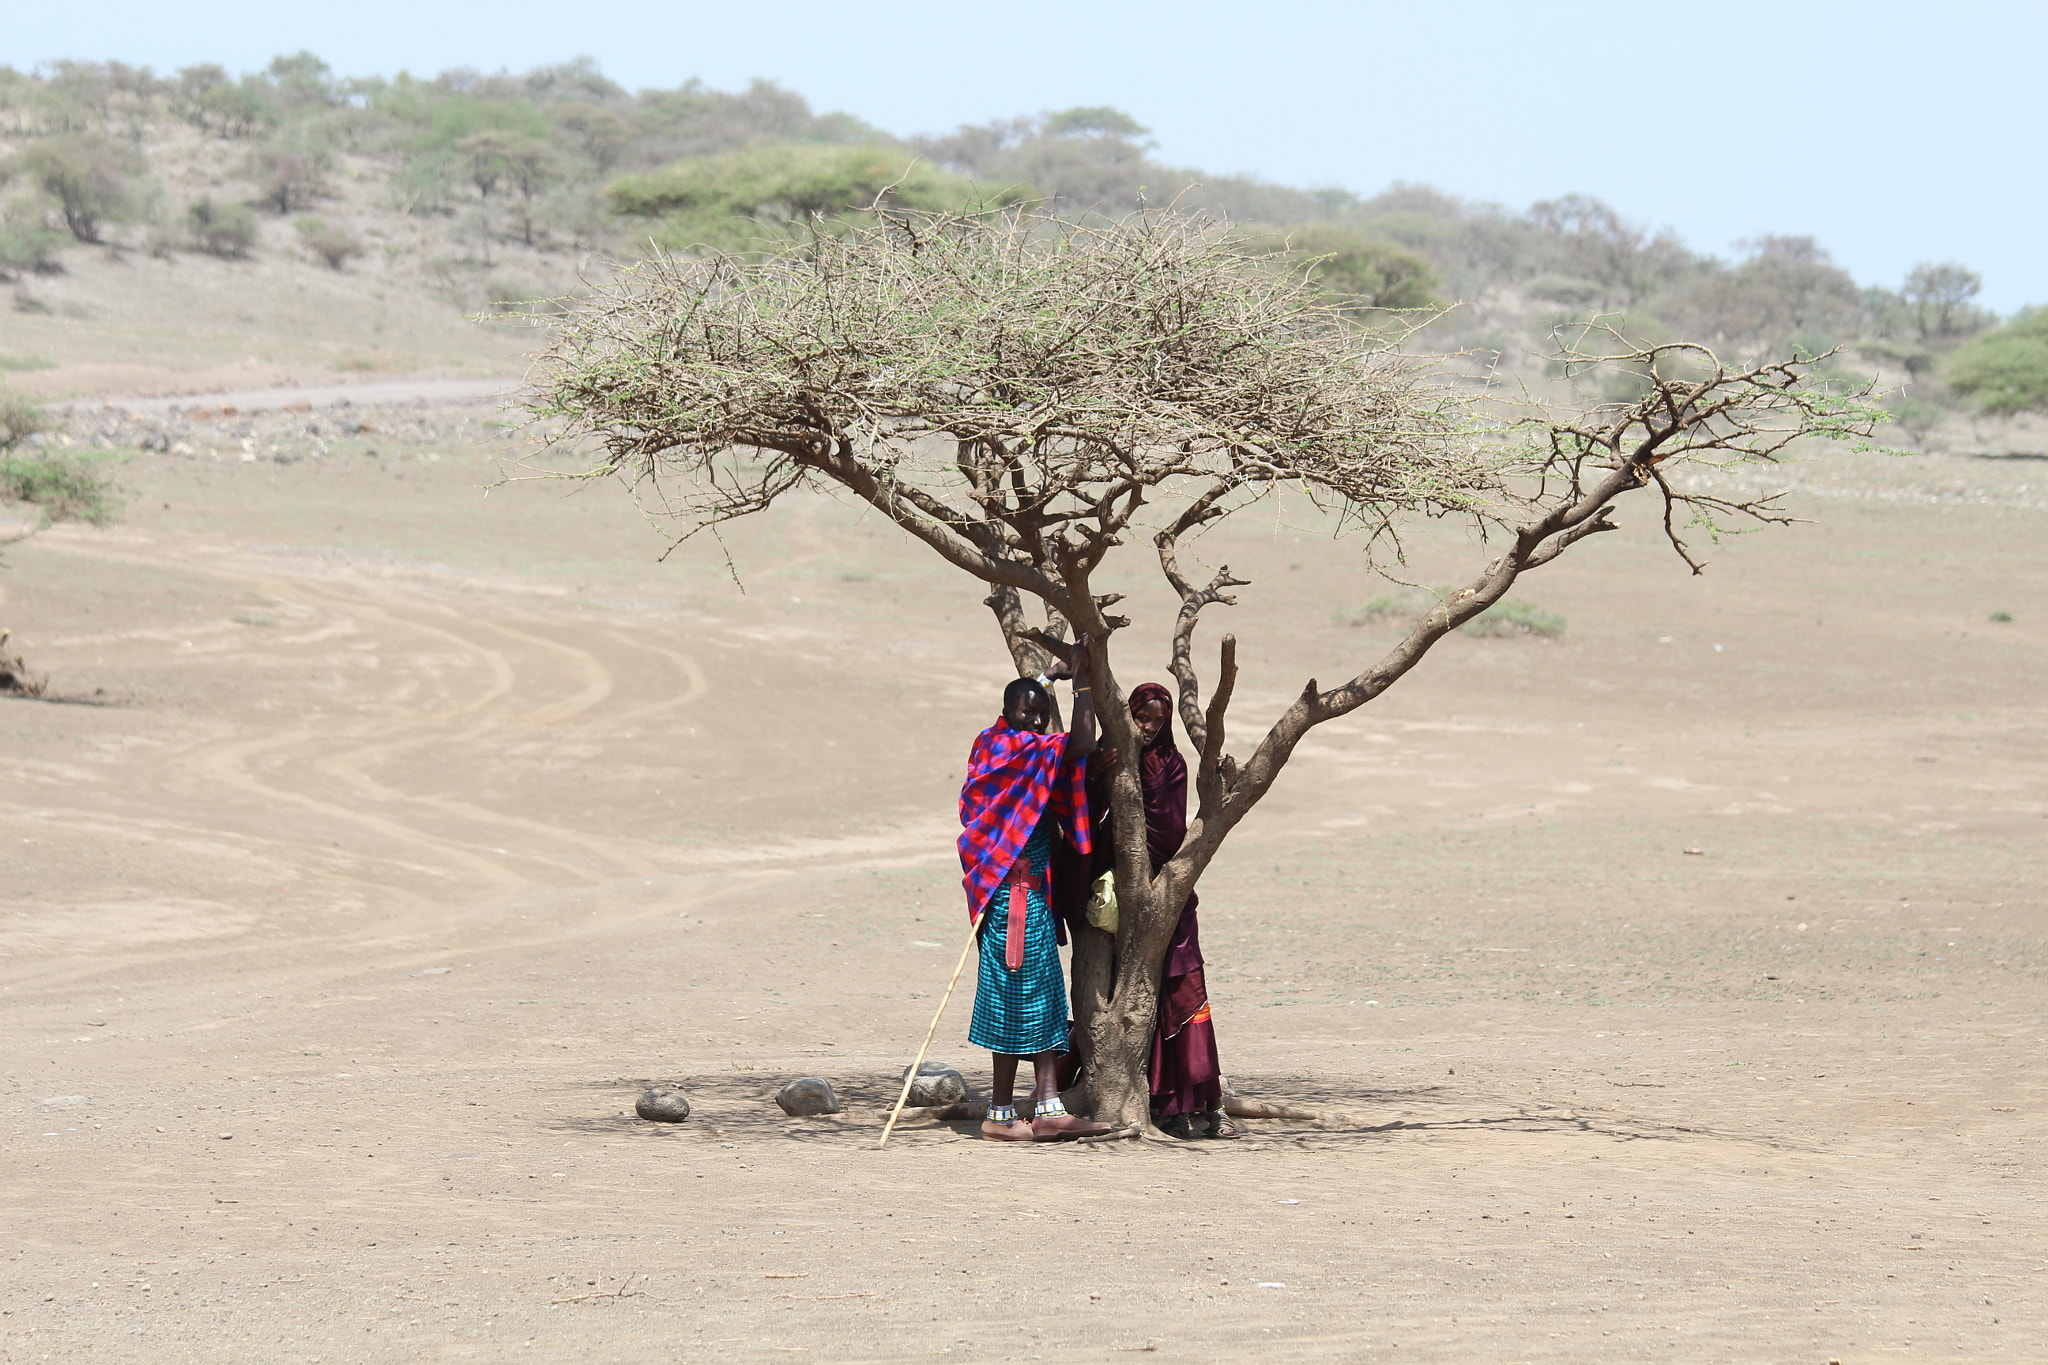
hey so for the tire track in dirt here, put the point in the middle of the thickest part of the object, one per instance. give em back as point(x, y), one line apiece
point(475, 716)
point(599, 683)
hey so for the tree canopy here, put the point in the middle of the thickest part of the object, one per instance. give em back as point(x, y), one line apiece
point(1111, 361)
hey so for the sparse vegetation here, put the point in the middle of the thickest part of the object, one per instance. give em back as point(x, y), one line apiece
point(64, 485)
point(20, 421)
point(1515, 617)
point(331, 244)
point(26, 246)
point(1510, 617)
point(224, 230)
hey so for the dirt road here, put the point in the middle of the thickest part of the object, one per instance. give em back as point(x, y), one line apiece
point(370, 391)
point(387, 839)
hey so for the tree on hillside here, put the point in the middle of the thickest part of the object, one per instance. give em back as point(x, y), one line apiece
point(733, 200)
point(1096, 159)
point(1594, 243)
point(289, 175)
point(209, 100)
point(1027, 400)
point(92, 179)
point(1939, 295)
point(1788, 295)
point(600, 133)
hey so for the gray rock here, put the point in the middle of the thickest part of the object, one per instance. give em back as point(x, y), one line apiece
point(936, 1084)
point(811, 1095)
point(662, 1106)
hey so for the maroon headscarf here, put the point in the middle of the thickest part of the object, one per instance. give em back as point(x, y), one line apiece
point(1153, 762)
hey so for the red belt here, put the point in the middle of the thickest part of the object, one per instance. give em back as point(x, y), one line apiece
point(1023, 879)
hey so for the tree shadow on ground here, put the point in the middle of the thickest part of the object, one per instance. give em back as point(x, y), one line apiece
point(739, 1107)
point(98, 699)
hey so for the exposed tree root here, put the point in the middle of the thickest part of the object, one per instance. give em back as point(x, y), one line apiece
point(15, 677)
point(1259, 1109)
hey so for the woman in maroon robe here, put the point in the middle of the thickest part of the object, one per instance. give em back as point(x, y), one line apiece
point(1187, 1078)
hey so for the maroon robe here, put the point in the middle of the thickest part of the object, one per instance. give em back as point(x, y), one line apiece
point(1187, 1076)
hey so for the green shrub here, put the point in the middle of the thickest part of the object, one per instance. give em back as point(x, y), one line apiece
point(26, 247)
point(19, 420)
point(65, 486)
point(224, 230)
point(331, 244)
point(1361, 271)
point(1919, 418)
point(1516, 618)
point(1404, 602)
point(2005, 372)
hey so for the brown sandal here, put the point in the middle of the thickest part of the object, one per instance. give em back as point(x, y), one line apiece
point(1015, 1130)
point(1217, 1124)
point(1055, 1126)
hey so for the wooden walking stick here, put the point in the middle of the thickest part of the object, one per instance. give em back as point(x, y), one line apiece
point(931, 1032)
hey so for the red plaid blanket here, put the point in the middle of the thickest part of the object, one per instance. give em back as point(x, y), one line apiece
point(1013, 777)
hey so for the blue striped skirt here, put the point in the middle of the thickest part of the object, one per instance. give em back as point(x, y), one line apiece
point(1021, 1013)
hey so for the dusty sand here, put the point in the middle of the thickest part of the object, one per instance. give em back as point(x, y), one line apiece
point(387, 839)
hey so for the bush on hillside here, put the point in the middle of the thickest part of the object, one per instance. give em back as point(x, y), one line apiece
point(2005, 373)
point(1359, 271)
point(331, 244)
point(27, 246)
point(224, 230)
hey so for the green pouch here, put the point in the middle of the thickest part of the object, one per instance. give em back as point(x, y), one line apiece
point(1102, 903)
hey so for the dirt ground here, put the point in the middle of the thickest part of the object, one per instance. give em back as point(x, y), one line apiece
point(382, 840)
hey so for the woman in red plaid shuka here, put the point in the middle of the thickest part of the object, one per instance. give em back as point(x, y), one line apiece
point(1021, 783)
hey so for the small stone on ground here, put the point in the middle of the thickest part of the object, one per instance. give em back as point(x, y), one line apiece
point(662, 1106)
point(811, 1095)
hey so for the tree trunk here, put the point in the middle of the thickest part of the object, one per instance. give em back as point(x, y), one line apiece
point(1116, 979)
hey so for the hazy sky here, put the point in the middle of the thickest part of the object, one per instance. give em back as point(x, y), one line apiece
point(1894, 133)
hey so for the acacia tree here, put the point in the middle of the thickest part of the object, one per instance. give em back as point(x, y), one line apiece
point(1027, 398)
